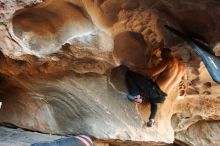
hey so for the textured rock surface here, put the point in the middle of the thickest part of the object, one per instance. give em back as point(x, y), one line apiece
point(86, 102)
point(201, 133)
point(57, 58)
point(19, 137)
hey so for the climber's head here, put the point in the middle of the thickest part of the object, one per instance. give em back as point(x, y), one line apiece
point(166, 53)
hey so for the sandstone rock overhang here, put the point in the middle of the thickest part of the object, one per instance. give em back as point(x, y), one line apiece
point(58, 57)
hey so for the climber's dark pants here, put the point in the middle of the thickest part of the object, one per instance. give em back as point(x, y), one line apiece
point(137, 84)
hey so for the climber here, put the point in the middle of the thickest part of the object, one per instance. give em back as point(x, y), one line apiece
point(167, 75)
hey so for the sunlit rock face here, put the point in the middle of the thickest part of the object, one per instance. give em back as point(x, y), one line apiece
point(59, 59)
point(205, 136)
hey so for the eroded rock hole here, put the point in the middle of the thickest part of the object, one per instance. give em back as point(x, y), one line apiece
point(45, 27)
point(130, 49)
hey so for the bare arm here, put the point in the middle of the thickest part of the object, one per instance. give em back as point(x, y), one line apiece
point(151, 72)
point(154, 71)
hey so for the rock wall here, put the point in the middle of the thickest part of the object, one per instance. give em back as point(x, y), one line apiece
point(58, 67)
point(201, 133)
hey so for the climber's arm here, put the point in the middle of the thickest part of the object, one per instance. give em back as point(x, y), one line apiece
point(151, 72)
point(154, 71)
point(153, 110)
